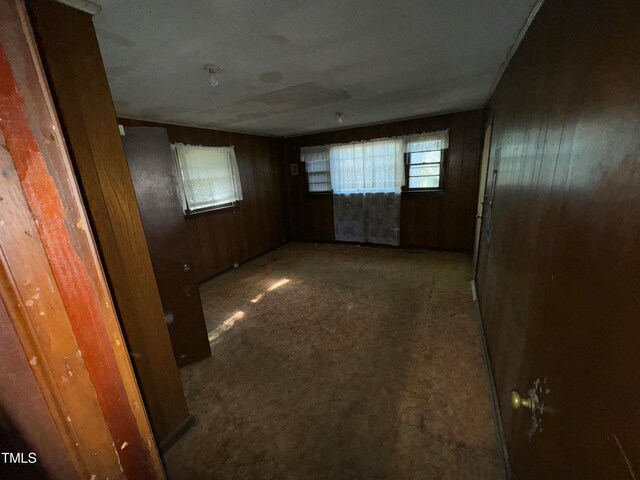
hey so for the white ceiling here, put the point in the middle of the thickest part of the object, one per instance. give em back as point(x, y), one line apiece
point(289, 65)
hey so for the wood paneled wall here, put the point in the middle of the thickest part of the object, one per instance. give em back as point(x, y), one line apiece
point(155, 181)
point(82, 98)
point(220, 238)
point(559, 273)
point(428, 220)
point(26, 424)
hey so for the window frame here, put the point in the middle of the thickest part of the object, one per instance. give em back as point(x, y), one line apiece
point(433, 139)
point(306, 172)
point(317, 192)
point(444, 160)
point(186, 211)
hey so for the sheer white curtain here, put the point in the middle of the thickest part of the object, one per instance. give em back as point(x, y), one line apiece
point(210, 176)
point(367, 179)
point(427, 142)
point(375, 166)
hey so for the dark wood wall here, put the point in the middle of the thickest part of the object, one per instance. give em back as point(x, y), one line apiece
point(218, 239)
point(428, 220)
point(559, 274)
point(155, 181)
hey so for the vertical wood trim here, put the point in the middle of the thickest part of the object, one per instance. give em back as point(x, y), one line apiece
point(78, 81)
point(62, 268)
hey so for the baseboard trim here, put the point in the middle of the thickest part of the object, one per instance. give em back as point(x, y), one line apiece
point(497, 420)
point(176, 434)
point(402, 246)
point(244, 260)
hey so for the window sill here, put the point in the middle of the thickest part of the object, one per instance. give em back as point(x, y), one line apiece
point(217, 208)
point(329, 192)
point(423, 191)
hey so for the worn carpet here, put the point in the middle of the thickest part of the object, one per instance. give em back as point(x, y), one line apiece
point(340, 362)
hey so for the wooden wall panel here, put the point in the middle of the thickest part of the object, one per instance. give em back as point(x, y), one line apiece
point(428, 220)
point(79, 85)
point(26, 425)
point(155, 182)
point(53, 289)
point(220, 238)
point(558, 276)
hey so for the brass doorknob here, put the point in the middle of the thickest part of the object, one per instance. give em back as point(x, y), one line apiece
point(518, 401)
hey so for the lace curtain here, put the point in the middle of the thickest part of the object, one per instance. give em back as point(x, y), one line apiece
point(210, 176)
point(366, 179)
point(367, 167)
point(427, 142)
point(367, 218)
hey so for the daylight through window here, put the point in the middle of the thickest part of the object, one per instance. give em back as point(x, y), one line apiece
point(209, 175)
point(414, 162)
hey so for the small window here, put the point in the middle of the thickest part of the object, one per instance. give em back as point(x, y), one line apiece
point(425, 161)
point(425, 170)
point(317, 165)
point(210, 177)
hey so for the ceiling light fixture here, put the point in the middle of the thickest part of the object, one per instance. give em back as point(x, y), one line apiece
point(339, 117)
point(213, 78)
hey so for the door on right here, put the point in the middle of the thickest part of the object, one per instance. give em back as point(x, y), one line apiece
point(559, 276)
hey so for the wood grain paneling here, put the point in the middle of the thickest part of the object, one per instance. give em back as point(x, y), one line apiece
point(155, 181)
point(558, 276)
point(26, 425)
point(220, 238)
point(53, 288)
point(428, 220)
point(81, 93)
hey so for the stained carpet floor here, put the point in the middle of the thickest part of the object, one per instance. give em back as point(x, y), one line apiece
point(340, 362)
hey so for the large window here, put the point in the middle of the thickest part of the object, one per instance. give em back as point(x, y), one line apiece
point(367, 167)
point(386, 165)
point(210, 177)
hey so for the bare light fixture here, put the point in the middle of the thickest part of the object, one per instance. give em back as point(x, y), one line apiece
point(213, 78)
point(339, 117)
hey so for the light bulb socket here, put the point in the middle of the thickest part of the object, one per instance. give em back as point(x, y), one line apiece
point(213, 70)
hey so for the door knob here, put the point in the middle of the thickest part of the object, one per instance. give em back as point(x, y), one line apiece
point(518, 401)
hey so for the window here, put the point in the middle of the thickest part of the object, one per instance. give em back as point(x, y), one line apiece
point(210, 177)
point(367, 167)
point(316, 160)
point(424, 170)
point(378, 165)
point(425, 161)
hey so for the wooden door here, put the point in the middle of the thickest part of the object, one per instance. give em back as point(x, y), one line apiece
point(559, 274)
point(154, 178)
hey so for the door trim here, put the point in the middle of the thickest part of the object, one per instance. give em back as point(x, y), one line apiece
point(493, 392)
point(482, 193)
